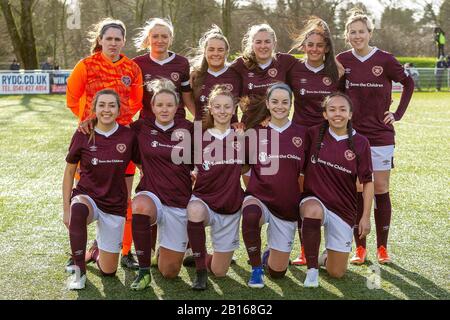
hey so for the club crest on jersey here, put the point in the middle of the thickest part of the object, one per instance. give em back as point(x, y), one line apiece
point(236, 145)
point(349, 155)
point(272, 72)
point(262, 157)
point(326, 81)
point(121, 147)
point(228, 86)
point(377, 70)
point(175, 76)
point(126, 80)
point(94, 161)
point(154, 144)
point(179, 135)
point(297, 141)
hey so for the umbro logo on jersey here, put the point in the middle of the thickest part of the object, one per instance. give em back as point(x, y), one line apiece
point(93, 148)
point(303, 81)
point(147, 77)
point(175, 76)
point(347, 70)
point(251, 74)
point(154, 132)
point(126, 80)
point(264, 142)
point(272, 72)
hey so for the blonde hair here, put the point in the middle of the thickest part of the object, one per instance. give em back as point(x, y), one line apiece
point(141, 41)
point(315, 25)
point(247, 43)
point(159, 86)
point(357, 14)
point(99, 29)
point(198, 61)
point(217, 90)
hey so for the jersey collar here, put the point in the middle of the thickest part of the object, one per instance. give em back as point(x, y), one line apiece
point(367, 56)
point(218, 73)
point(172, 56)
point(313, 69)
point(109, 133)
point(165, 128)
point(278, 129)
point(266, 65)
point(340, 138)
point(219, 136)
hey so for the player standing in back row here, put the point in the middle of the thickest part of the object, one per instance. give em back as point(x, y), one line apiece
point(369, 73)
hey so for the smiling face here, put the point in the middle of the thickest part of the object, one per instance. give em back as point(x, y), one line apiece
point(222, 109)
point(164, 107)
point(263, 45)
point(216, 53)
point(279, 104)
point(358, 35)
point(315, 48)
point(112, 43)
point(160, 39)
point(106, 109)
point(337, 112)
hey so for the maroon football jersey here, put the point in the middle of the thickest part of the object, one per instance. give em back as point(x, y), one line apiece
point(310, 86)
point(175, 68)
point(368, 82)
point(103, 162)
point(219, 165)
point(171, 182)
point(280, 191)
point(228, 77)
point(257, 81)
point(332, 176)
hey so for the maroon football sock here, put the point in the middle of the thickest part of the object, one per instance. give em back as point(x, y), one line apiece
point(154, 236)
point(299, 228)
point(251, 233)
point(197, 239)
point(359, 213)
point(311, 241)
point(383, 213)
point(78, 234)
point(142, 239)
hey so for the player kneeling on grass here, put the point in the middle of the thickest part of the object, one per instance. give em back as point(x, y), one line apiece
point(336, 156)
point(273, 190)
point(165, 187)
point(101, 193)
point(217, 195)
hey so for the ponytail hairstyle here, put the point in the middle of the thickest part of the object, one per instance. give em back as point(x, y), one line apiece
point(163, 85)
point(247, 44)
point(142, 41)
point(94, 105)
point(254, 107)
point(358, 14)
point(217, 90)
point(325, 125)
point(315, 25)
point(99, 30)
point(198, 61)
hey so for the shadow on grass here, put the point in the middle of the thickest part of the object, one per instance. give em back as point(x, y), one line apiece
point(420, 288)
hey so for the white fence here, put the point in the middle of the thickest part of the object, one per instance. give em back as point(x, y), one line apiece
point(55, 81)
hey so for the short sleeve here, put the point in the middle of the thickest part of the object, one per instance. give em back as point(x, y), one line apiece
point(75, 148)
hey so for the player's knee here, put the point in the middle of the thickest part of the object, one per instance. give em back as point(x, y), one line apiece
point(336, 273)
point(276, 274)
point(106, 271)
point(196, 211)
point(169, 272)
point(312, 210)
point(138, 206)
point(219, 272)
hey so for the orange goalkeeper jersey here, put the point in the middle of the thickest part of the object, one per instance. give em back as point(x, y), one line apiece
point(97, 72)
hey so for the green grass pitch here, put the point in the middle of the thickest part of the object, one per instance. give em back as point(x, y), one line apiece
point(34, 135)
